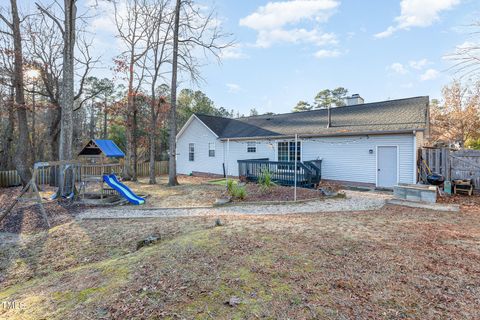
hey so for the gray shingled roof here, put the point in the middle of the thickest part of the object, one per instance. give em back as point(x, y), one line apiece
point(386, 116)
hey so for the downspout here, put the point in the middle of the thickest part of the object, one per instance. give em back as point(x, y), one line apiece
point(329, 121)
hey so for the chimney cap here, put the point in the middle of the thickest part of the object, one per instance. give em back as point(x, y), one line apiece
point(354, 99)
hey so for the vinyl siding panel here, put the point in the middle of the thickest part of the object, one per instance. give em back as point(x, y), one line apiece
point(238, 151)
point(348, 158)
point(200, 136)
point(344, 158)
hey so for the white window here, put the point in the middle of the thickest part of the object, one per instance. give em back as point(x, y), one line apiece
point(211, 149)
point(251, 147)
point(191, 152)
point(286, 151)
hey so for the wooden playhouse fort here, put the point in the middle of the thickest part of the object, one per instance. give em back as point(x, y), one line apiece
point(100, 160)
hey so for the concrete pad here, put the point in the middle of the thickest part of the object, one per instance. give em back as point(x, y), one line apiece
point(422, 205)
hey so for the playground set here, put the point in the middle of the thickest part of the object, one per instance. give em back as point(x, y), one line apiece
point(91, 179)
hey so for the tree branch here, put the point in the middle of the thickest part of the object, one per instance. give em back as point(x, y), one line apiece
point(51, 16)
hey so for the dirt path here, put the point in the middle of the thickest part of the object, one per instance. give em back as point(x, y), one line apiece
point(355, 201)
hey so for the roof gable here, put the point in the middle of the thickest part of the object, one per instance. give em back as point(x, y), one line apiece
point(197, 117)
point(106, 147)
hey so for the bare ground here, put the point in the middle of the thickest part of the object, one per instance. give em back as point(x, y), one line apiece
point(392, 263)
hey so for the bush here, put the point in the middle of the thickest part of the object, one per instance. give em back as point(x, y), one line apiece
point(235, 190)
point(239, 192)
point(265, 180)
point(230, 185)
point(473, 144)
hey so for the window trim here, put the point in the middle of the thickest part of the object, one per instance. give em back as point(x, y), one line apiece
point(191, 152)
point(252, 146)
point(289, 143)
point(211, 152)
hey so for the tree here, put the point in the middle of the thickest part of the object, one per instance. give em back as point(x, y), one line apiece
point(466, 57)
point(338, 96)
point(473, 143)
point(327, 98)
point(23, 150)
point(7, 102)
point(106, 90)
point(190, 102)
point(253, 112)
point(67, 28)
point(192, 31)
point(98, 92)
point(302, 106)
point(45, 52)
point(135, 33)
point(172, 165)
point(456, 119)
point(158, 56)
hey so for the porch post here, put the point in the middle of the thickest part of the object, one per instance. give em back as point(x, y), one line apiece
point(226, 160)
point(295, 172)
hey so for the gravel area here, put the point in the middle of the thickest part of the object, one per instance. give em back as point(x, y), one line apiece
point(354, 201)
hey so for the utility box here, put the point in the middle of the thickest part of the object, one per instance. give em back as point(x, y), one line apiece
point(447, 187)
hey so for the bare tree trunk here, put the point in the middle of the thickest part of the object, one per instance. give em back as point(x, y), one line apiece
point(67, 90)
point(34, 135)
point(54, 115)
point(92, 122)
point(172, 165)
point(152, 141)
point(53, 136)
point(129, 158)
point(135, 141)
point(105, 118)
point(6, 162)
point(23, 155)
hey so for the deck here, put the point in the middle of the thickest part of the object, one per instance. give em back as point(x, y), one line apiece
point(308, 173)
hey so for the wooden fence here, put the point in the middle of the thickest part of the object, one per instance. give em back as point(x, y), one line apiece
point(11, 178)
point(461, 164)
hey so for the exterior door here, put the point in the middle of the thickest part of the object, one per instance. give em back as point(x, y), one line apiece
point(387, 173)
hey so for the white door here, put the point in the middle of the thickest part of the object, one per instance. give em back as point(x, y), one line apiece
point(387, 174)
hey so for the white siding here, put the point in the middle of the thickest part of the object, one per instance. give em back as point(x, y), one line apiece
point(198, 134)
point(349, 159)
point(344, 158)
point(238, 151)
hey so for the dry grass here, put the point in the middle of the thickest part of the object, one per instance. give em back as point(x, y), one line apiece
point(192, 192)
point(392, 263)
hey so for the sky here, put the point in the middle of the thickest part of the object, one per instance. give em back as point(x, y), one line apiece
point(286, 51)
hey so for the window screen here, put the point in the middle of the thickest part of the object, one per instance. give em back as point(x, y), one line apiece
point(251, 147)
point(191, 152)
point(211, 149)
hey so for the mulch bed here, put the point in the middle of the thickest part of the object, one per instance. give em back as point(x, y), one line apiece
point(278, 193)
point(26, 217)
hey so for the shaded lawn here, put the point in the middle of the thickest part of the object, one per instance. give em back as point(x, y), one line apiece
point(391, 263)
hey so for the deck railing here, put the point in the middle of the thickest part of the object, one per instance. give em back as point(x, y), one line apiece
point(281, 172)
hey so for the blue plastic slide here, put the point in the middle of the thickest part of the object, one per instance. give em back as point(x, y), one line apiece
point(125, 191)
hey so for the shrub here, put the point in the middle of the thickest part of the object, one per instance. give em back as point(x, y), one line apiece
point(265, 180)
point(239, 192)
point(230, 186)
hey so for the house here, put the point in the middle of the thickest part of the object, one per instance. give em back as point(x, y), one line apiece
point(366, 143)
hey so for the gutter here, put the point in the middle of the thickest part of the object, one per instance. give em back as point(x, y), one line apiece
point(338, 134)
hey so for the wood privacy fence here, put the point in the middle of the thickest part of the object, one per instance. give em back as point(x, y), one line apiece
point(461, 164)
point(11, 178)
